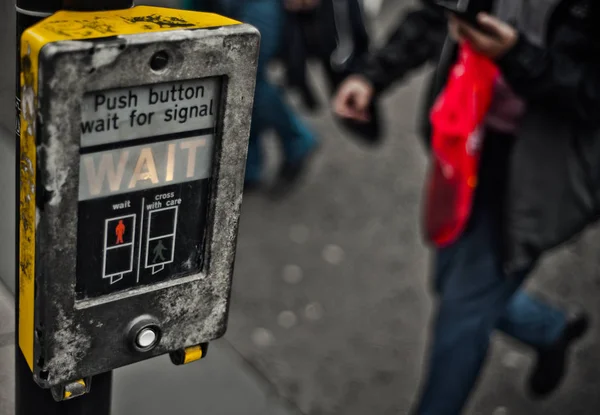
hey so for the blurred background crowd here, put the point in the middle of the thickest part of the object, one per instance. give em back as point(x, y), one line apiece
point(332, 292)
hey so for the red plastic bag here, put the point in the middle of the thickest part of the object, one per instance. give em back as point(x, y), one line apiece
point(457, 119)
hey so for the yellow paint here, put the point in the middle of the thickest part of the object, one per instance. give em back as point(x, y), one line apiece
point(27, 219)
point(67, 26)
point(68, 394)
point(192, 354)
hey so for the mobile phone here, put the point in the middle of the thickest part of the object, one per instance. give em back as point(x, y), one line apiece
point(464, 10)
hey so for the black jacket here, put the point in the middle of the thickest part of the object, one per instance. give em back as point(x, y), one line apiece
point(554, 168)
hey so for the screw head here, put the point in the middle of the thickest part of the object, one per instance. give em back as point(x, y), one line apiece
point(159, 61)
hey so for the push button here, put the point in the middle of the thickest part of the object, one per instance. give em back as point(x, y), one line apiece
point(143, 334)
point(146, 338)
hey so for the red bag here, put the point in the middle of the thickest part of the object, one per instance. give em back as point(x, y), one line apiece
point(456, 119)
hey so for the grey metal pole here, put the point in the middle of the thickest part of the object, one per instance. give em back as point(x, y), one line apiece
point(30, 399)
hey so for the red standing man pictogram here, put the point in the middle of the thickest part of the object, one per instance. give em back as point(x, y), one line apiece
point(120, 231)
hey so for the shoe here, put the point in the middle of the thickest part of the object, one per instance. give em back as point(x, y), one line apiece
point(290, 174)
point(551, 363)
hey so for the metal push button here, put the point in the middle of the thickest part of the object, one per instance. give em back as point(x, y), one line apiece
point(146, 338)
point(143, 334)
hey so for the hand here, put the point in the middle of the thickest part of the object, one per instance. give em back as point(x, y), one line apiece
point(353, 98)
point(453, 28)
point(498, 38)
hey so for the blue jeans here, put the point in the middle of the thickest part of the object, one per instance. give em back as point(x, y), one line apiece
point(476, 297)
point(270, 108)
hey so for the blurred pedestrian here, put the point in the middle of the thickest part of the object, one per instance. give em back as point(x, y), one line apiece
point(333, 34)
point(537, 184)
point(270, 109)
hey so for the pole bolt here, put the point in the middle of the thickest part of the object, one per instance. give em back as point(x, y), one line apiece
point(71, 390)
point(159, 61)
point(189, 354)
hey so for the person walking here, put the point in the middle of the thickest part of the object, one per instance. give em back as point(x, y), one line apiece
point(270, 111)
point(536, 187)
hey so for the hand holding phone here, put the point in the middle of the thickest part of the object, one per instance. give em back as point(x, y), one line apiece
point(461, 10)
point(467, 11)
point(493, 38)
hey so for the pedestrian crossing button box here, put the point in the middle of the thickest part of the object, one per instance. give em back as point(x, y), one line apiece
point(133, 139)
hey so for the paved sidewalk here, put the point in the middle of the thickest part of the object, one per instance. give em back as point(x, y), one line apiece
point(7, 328)
point(221, 384)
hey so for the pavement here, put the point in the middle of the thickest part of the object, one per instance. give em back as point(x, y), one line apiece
point(331, 300)
point(221, 384)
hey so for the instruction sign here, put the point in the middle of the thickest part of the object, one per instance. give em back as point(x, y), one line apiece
point(148, 111)
point(145, 167)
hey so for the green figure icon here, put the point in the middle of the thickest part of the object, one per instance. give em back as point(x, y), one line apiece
point(158, 252)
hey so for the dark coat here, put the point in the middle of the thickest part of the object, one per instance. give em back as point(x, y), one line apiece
point(553, 183)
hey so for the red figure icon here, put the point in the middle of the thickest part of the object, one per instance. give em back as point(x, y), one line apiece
point(120, 231)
